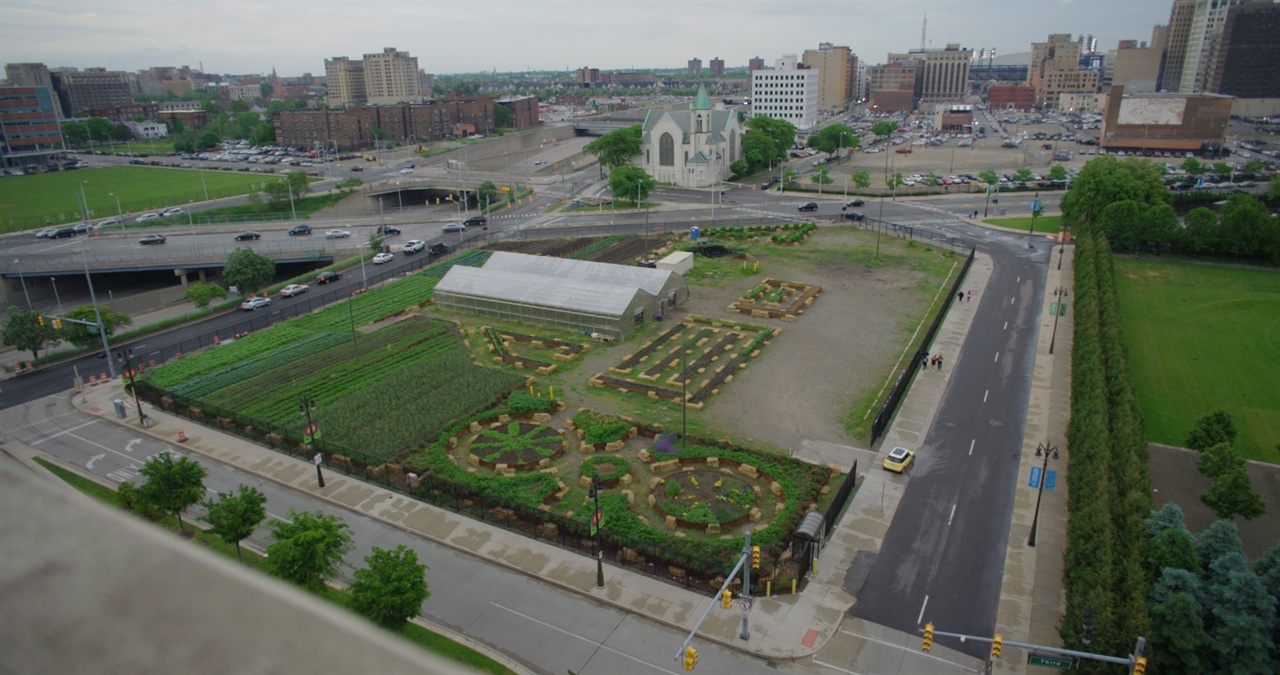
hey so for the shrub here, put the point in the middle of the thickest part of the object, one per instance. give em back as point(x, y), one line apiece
point(522, 402)
point(620, 467)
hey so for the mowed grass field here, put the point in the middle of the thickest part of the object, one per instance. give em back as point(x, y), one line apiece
point(1048, 224)
point(1200, 338)
point(26, 201)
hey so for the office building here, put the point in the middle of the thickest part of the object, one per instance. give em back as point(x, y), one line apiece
point(32, 75)
point(1011, 97)
point(1195, 35)
point(1249, 56)
point(1175, 51)
point(91, 88)
point(837, 72)
point(788, 92)
point(1059, 52)
point(717, 66)
point(945, 72)
point(29, 131)
point(391, 77)
point(1135, 67)
point(695, 66)
point(895, 87)
point(1055, 69)
point(345, 81)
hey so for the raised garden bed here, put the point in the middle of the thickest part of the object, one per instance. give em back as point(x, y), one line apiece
point(516, 445)
point(777, 299)
point(704, 497)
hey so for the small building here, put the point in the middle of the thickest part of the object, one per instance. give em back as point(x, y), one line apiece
point(680, 262)
point(572, 295)
point(1154, 122)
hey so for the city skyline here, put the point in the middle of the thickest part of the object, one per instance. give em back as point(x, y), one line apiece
point(233, 37)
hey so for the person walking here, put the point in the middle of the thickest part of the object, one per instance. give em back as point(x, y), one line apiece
point(970, 296)
point(939, 362)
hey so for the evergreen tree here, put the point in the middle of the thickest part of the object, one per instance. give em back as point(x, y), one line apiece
point(1219, 539)
point(1212, 429)
point(1244, 618)
point(1179, 643)
point(1173, 548)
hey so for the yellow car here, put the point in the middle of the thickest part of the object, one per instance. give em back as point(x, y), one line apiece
point(899, 460)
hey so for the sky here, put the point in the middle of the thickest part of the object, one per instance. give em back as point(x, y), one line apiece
point(295, 37)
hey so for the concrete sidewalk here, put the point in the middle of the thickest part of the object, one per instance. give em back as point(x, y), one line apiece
point(813, 623)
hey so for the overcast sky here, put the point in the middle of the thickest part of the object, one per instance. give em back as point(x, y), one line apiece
point(293, 36)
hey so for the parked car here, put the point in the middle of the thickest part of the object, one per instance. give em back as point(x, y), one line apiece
point(382, 258)
point(454, 227)
point(337, 234)
point(899, 460)
point(437, 250)
point(387, 230)
point(46, 233)
point(475, 220)
point(854, 215)
point(414, 246)
point(406, 171)
point(146, 217)
point(255, 304)
point(811, 206)
point(246, 236)
point(83, 228)
point(300, 229)
point(903, 151)
point(152, 239)
point(327, 277)
point(293, 289)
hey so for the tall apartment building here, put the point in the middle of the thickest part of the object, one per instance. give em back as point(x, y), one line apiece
point(588, 75)
point(380, 79)
point(92, 88)
point(1175, 51)
point(1195, 34)
point(717, 66)
point(755, 64)
point(695, 66)
point(788, 92)
point(29, 131)
point(837, 73)
point(1058, 52)
point(895, 87)
point(1249, 55)
point(352, 129)
point(945, 74)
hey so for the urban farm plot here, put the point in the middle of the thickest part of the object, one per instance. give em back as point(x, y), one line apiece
point(775, 299)
point(536, 352)
point(699, 354)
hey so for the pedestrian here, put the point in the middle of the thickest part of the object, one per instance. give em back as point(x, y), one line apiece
point(939, 363)
point(970, 296)
point(960, 296)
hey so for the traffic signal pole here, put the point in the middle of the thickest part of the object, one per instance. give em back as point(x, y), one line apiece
point(687, 653)
point(1135, 661)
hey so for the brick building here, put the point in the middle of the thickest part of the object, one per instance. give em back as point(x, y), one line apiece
point(717, 66)
point(1011, 97)
point(83, 90)
point(523, 109)
point(896, 87)
point(1179, 122)
point(352, 129)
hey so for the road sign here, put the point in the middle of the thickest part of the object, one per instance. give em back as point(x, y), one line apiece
point(318, 459)
point(1051, 661)
point(1035, 205)
point(746, 605)
point(1050, 480)
point(1035, 477)
point(1062, 309)
point(1053, 308)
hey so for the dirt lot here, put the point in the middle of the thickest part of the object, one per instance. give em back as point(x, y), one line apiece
point(804, 383)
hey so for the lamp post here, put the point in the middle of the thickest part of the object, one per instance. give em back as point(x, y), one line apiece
point(311, 432)
point(597, 528)
point(23, 279)
point(119, 211)
point(85, 200)
point(54, 281)
point(1060, 294)
point(97, 314)
point(130, 376)
point(204, 185)
point(1041, 450)
point(289, 185)
point(191, 219)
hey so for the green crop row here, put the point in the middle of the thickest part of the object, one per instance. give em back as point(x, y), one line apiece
point(237, 372)
point(597, 247)
point(228, 354)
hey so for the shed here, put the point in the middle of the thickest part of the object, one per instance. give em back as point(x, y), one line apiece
point(680, 262)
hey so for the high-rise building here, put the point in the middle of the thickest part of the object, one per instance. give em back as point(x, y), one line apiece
point(29, 131)
point(1060, 51)
point(588, 75)
point(1135, 67)
point(837, 71)
point(1175, 51)
point(1249, 55)
point(92, 88)
point(345, 81)
point(896, 86)
point(1202, 45)
point(32, 75)
point(391, 77)
point(717, 66)
point(945, 75)
point(1055, 69)
point(788, 92)
point(755, 64)
point(695, 66)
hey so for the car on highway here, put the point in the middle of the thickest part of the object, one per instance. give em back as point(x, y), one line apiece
point(856, 202)
point(255, 304)
point(172, 211)
point(475, 220)
point(63, 232)
point(903, 151)
point(83, 228)
point(414, 246)
point(899, 460)
point(146, 217)
point(387, 230)
point(337, 234)
point(406, 171)
point(247, 236)
point(110, 222)
point(293, 289)
point(152, 239)
point(46, 233)
point(811, 206)
point(299, 229)
point(382, 258)
point(454, 227)
point(854, 215)
point(327, 277)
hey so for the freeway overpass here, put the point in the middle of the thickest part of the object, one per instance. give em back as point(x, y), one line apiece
point(180, 258)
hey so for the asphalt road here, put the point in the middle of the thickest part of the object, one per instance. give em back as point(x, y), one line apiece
point(539, 625)
point(943, 557)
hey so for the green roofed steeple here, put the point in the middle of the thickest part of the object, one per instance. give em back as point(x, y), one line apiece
point(703, 102)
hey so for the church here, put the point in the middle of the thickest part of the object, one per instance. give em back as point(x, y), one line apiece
point(691, 148)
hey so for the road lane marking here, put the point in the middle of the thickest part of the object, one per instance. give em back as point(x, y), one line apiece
point(971, 444)
point(1006, 325)
point(997, 358)
point(985, 394)
point(587, 640)
point(64, 431)
point(921, 617)
point(886, 643)
point(1011, 300)
point(951, 518)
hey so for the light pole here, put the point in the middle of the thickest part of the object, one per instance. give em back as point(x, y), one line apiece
point(1060, 294)
point(597, 528)
point(55, 293)
point(130, 376)
point(119, 211)
point(23, 279)
point(191, 219)
point(85, 200)
point(97, 315)
point(204, 185)
point(1041, 450)
point(311, 432)
point(290, 186)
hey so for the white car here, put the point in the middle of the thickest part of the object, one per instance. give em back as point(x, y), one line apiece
point(406, 171)
point(172, 211)
point(413, 246)
point(293, 289)
point(147, 217)
point(382, 258)
point(337, 234)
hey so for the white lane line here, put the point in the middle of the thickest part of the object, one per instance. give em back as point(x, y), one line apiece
point(1006, 325)
point(997, 358)
point(64, 431)
point(1011, 300)
point(598, 644)
point(926, 604)
point(951, 518)
point(985, 394)
point(1018, 281)
point(971, 444)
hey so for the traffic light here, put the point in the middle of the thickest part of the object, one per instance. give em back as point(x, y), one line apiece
point(755, 557)
point(1140, 665)
point(928, 637)
point(690, 658)
point(726, 599)
point(996, 644)
point(57, 324)
point(40, 318)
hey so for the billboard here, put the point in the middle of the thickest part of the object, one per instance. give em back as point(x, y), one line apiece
point(1166, 110)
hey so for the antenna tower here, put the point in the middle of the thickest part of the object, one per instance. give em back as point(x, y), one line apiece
point(923, 28)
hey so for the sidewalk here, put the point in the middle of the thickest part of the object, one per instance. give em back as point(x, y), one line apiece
point(813, 623)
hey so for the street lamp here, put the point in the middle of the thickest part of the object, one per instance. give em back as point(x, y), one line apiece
point(85, 200)
point(311, 432)
point(1041, 450)
point(191, 221)
point(119, 211)
point(55, 293)
point(1060, 294)
point(23, 279)
point(130, 377)
point(597, 528)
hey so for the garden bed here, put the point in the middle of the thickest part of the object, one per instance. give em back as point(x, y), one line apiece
point(775, 299)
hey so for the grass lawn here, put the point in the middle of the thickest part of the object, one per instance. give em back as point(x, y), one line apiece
point(32, 201)
point(1200, 338)
point(1047, 224)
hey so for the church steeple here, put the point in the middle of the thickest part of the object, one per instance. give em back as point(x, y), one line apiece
point(702, 102)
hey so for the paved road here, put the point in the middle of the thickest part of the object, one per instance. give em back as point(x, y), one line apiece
point(942, 559)
point(539, 625)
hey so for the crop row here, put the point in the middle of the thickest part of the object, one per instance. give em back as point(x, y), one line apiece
point(228, 354)
point(597, 247)
point(224, 377)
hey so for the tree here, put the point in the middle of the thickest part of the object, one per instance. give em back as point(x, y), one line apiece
point(1165, 517)
point(503, 118)
point(1193, 166)
point(759, 150)
point(616, 148)
point(265, 90)
point(884, 127)
point(75, 132)
point(1120, 222)
point(931, 179)
point(235, 515)
point(1173, 548)
point(174, 483)
point(100, 128)
point(1221, 538)
point(1201, 233)
point(1232, 494)
point(781, 132)
point(1273, 189)
point(1178, 639)
point(1253, 166)
point(1267, 567)
point(832, 138)
point(1107, 180)
point(989, 177)
point(631, 182)
point(821, 176)
point(1157, 228)
point(789, 177)
point(248, 270)
point(203, 292)
point(861, 179)
point(486, 192)
point(1246, 226)
point(1219, 459)
point(307, 548)
point(22, 331)
point(1057, 172)
point(84, 338)
point(894, 181)
point(121, 132)
point(1221, 168)
point(350, 185)
point(1212, 429)
point(391, 589)
point(740, 168)
point(1243, 617)
point(1023, 174)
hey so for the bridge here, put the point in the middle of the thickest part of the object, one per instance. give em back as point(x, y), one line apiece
point(601, 127)
point(177, 257)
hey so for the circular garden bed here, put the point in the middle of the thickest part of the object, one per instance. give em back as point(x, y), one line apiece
point(608, 468)
point(518, 445)
point(703, 497)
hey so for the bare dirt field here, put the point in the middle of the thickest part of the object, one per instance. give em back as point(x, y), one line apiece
point(804, 383)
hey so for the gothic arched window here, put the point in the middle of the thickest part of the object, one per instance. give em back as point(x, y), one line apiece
point(666, 150)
